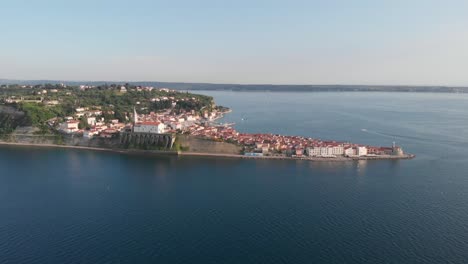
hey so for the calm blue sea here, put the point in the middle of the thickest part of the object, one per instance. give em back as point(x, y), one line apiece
point(74, 206)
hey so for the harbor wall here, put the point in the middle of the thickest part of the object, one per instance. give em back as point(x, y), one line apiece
point(200, 145)
point(143, 141)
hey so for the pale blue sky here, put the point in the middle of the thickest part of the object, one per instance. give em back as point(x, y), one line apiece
point(415, 42)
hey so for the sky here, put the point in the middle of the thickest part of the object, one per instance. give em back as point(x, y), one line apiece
point(394, 42)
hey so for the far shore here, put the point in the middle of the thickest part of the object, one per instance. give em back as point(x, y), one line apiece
point(203, 154)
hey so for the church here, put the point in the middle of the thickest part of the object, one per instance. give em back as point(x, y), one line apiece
point(147, 126)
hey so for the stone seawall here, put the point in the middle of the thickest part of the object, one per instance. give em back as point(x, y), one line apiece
point(26, 135)
point(147, 139)
point(200, 145)
point(64, 140)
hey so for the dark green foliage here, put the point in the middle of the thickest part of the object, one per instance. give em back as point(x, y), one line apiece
point(38, 114)
point(107, 97)
point(161, 105)
point(7, 123)
point(83, 124)
point(120, 114)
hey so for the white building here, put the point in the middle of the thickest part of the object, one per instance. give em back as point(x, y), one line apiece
point(101, 128)
point(52, 102)
point(325, 151)
point(94, 112)
point(90, 133)
point(349, 151)
point(91, 121)
point(69, 127)
point(149, 127)
point(313, 152)
point(361, 151)
point(338, 150)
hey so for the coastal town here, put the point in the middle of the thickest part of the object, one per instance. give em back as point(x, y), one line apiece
point(264, 145)
point(254, 145)
point(161, 114)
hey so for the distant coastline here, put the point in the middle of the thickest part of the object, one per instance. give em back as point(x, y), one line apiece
point(260, 87)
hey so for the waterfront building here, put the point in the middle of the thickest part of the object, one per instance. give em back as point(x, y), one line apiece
point(375, 150)
point(338, 150)
point(90, 133)
point(313, 151)
point(325, 151)
point(69, 127)
point(349, 151)
point(361, 151)
point(299, 152)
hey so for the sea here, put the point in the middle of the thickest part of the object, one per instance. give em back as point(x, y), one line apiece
point(79, 206)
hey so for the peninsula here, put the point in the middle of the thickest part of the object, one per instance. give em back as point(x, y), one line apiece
point(134, 118)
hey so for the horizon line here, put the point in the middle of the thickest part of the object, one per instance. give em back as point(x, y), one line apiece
point(242, 84)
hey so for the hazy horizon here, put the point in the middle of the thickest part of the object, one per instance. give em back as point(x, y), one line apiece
point(417, 43)
point(44, 81)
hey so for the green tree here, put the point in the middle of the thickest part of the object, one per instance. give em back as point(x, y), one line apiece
point(83, 123)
